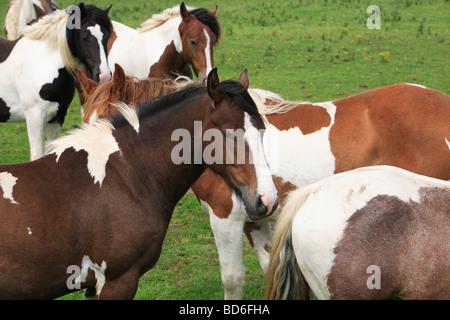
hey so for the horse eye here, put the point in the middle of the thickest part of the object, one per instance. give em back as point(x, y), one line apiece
point(193, 42)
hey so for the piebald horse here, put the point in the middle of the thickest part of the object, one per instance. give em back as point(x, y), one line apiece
point(21, 13)
point(37, 70)
point(167, 44)
point(371, 233)
point(94, 212)
point(306, 142)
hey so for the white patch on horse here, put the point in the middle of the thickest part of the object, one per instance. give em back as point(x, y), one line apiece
point(39, 4)
point(98, 270)
point(448, 143)
point(208, 53)
point(129, 114)
point(29, 231)
point(266, 187)
point(293, 156)
point(96, 139)
point(7, 182)
point(105, 73)
point(417, 85)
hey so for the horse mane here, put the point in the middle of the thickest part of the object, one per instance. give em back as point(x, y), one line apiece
point(159, 19)
point(135, 91)
point(52, 29)
point(278, 105)
point(12, 17)
point(203, 15)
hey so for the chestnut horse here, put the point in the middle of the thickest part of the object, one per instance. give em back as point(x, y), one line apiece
point(167, 44)
point(403, 125)
point(94, 212)
point(21, 13)
point(37, 70)
point(371, 233)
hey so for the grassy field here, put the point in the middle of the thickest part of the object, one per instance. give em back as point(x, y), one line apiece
point(302, 49)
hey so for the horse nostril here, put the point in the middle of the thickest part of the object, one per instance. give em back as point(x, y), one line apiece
point(260, 206)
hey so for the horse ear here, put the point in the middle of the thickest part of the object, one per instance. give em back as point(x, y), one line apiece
point(243, 79)
point(119, 79)
point(185, 15)
point(213, 11)
point(107, 9)
point(213, 86)
point(82, 9)
point(87, 84)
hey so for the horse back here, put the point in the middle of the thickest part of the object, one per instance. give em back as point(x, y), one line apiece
point(401, 125)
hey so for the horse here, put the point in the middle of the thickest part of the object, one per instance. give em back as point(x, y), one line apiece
point(21, 13)
point(377, 232)
point(100, 99)
point(305, 142)
point(46, 58)
point(167, 43)
point(104, 227)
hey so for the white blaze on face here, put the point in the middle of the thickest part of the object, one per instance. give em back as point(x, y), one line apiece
point(208, 53)
point(266, 187)
point(7, 182)
point(105, 72)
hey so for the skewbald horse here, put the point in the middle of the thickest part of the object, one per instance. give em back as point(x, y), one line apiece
point(403, 125)
point(371, 233)
point(167, 44)
point(124, 186)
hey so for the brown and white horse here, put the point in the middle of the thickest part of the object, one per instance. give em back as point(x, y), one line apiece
point(93, 213)
point(21, 13)
point(167, 44)
point(371, 233)
point(403, 125)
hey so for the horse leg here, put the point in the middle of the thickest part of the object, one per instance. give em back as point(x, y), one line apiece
point(260, 236)
point(52, 130)
point(228, 236)
point(35, 126)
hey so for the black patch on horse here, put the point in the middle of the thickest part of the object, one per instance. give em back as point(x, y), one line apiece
point(61, 90)
point(4, 111)
point(6, 47)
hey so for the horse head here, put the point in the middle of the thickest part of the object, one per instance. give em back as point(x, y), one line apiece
point(199, 31)
point(242, 163)
point(88, 40)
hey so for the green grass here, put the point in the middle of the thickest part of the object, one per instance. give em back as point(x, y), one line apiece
point(302, 49)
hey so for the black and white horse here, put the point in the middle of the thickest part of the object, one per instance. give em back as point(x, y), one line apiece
point(37, 82)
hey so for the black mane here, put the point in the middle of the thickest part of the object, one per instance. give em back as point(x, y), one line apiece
point(98, 15)
point(233, 89)
point(206, 17)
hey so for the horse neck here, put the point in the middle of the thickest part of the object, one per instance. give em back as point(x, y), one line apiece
point(155, 133)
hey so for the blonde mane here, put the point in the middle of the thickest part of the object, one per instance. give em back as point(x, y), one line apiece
point(278, 104)
point(12, 17)
point(52, 29)
point(160, 18)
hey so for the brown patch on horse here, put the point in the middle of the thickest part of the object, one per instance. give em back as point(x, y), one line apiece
point(46, 5)
point(6, 47)
point(212, 189)
point(308, 118)
point(283, 188)
point(400, 125)
point(111, 40)
point(169, 64)
point(408, 241)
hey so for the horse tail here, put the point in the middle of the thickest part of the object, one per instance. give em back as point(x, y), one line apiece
point(285, 281)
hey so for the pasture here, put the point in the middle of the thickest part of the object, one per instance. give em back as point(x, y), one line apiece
point(304, 50)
